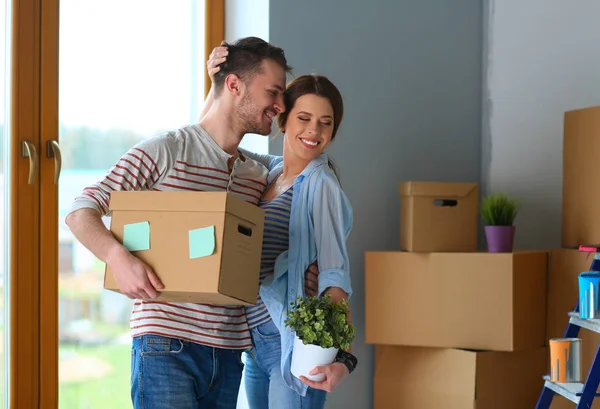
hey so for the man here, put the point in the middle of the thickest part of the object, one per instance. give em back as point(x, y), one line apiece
point(189, 355)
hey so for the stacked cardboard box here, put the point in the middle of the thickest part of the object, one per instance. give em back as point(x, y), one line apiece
point(454, 328)
point(581, 148)
point(580, 226)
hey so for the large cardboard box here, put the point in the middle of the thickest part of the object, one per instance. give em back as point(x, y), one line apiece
point(434, 378)
point(437, 216)
point(485, 301)
point(581, 149)
point(563, 292)
point(204, 246)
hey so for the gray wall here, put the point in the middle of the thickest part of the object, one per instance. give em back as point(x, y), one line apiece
point(410, 74)
point(542, 59)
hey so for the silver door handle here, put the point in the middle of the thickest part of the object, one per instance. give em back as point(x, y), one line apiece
point(53, 151)
point(28, 151)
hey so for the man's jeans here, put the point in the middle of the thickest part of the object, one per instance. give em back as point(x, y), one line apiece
point(264, 384)
point(175, 374)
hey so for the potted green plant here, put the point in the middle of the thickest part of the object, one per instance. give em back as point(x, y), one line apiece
point(321, 328)
point(499, 212)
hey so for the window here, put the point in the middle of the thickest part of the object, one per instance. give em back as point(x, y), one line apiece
point(128, 71)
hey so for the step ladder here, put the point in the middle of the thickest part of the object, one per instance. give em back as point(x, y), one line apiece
point(582, 394)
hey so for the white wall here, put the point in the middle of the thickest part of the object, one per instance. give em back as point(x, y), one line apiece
point(245, 18)
point(541, 58)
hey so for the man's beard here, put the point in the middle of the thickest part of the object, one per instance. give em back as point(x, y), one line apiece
point(247, 114)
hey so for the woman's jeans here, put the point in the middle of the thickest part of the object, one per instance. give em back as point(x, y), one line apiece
point(264, 384)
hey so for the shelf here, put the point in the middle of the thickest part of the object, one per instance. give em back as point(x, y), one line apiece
point(592, 325)
point(571, 391)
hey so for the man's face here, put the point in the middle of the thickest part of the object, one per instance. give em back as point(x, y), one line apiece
point(262, 99)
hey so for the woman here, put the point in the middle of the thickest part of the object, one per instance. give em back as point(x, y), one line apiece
point(308, 218)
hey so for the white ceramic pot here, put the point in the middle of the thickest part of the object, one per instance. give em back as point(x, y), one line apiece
point(306, 357)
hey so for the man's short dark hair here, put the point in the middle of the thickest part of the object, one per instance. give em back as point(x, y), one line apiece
point(245, 58)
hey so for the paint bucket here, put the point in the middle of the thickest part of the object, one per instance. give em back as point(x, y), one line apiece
point(565, 360)
point(589, 289)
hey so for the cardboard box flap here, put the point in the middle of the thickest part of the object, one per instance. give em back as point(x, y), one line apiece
point(437, 189)
point(185, 202)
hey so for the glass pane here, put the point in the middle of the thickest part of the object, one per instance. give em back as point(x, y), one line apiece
point(128, 70)
point(5, 27)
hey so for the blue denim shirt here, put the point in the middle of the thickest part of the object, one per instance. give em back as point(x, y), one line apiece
point(320, 221)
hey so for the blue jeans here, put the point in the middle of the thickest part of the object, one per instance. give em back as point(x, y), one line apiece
point(171, 373)
point(265, 387)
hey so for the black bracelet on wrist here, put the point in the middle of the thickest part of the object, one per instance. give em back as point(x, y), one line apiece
point(347, 359)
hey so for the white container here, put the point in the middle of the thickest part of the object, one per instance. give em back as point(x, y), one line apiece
point(306, 357)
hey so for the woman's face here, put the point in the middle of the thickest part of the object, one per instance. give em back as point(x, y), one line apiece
point(309, 127)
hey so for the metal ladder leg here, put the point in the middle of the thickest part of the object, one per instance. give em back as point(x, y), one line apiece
point(545, 399)
point(591, 384)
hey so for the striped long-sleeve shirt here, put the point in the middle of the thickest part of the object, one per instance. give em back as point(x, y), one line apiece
point(275, 241)
point(186, 160)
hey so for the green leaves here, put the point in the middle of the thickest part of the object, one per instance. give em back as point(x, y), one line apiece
point(322, 322)
point(499, 210)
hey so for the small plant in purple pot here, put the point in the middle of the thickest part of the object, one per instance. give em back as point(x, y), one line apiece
point(499, 213)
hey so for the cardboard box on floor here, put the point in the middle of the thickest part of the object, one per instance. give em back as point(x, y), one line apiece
point(484, 301)
point(434, 378)
point(581, 149)
point(437, 216)
point(563, 292)
point(204, 246)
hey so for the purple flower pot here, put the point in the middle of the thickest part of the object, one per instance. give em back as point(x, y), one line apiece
point(500, 238)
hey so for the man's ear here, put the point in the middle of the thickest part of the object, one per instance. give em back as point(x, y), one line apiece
point(233, 84)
